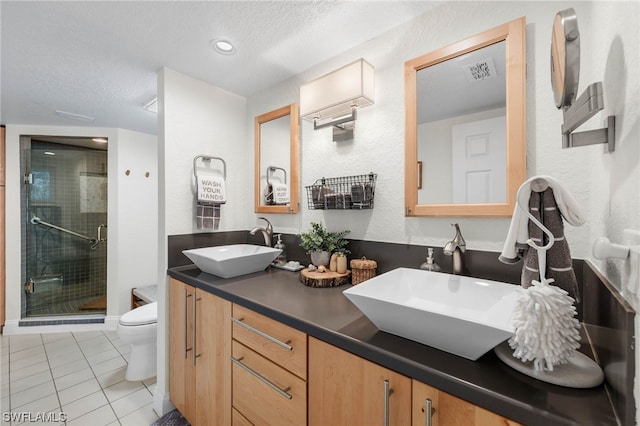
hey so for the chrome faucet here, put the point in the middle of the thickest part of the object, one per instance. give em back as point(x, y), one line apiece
point(456, 248)
point(267, 232)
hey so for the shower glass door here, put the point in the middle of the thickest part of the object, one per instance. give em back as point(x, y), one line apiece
point(64, 205)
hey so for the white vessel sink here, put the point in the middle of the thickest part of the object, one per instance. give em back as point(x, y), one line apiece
point(461, 315)
point(232, 260)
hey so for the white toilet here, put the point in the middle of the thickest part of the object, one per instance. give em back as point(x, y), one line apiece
point(138, 328)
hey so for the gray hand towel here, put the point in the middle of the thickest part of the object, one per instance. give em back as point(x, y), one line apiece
point(207, 216)
point(543, 207)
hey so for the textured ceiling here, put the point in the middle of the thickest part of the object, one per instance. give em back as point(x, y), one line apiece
point(100, 58)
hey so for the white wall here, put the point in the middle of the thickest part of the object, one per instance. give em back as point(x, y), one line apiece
point(606, 185)
point(195, 118)
point(137, 214)
point(140, 218)
point(203, 119)
point(614, 180)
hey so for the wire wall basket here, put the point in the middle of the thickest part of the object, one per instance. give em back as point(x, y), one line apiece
point(342, 193)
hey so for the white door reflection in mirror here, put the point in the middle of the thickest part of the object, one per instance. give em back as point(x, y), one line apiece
point(479, 162)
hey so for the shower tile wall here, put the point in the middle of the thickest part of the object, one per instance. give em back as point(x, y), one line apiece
point(67, 272)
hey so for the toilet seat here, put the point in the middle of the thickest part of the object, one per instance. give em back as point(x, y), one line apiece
point(143, 315)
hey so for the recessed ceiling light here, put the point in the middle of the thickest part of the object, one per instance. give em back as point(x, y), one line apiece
point(49, 153)
point(222, 46)
point(100, 140)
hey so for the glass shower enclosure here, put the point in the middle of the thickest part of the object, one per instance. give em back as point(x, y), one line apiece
point(64, 226)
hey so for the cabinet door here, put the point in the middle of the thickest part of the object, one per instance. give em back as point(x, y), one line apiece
point(212, 353)
point(181, 368)
point(447, 410)
point(345, 389)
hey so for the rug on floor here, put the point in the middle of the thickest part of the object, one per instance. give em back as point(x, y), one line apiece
point(172, 418)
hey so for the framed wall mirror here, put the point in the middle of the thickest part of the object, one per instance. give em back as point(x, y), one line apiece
point(277, 163)
point(465, 136)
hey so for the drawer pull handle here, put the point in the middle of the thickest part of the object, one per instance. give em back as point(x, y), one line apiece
point(387, 393)
point(186, 345)
point(263, 334)
point(428, 411)
point(284, 392)
point(195, 330)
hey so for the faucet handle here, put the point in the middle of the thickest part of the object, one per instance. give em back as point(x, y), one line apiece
point(458, 239)
point(269, 226)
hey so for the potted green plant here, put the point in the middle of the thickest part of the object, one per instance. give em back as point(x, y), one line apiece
point(320, 243)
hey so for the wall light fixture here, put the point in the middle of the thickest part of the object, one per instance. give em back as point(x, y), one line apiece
point(334, 98)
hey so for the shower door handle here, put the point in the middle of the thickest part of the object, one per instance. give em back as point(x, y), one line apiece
point(100, 232)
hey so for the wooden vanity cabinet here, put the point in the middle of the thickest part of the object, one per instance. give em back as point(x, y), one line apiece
point(448, 410)
point(252, 370)
point(269, 371)
point(345, 389)
point(199, 351)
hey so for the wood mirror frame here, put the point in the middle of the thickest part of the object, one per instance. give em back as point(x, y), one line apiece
point(294, 160)
point(514, 34)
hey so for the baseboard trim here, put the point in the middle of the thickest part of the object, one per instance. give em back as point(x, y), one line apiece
point(161, 402)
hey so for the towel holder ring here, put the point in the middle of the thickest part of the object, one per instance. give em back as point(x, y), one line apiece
point(209, 158)
point(273, 169)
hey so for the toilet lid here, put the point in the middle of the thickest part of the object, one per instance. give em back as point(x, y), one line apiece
point(145, 314)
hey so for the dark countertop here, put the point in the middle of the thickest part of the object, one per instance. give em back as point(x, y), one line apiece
point(327, 314)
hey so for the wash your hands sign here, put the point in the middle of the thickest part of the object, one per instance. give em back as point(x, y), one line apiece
point(211, 189)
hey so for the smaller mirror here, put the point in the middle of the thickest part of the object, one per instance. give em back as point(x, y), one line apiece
point(565, 58)
point(277, 160)
point(565, 74)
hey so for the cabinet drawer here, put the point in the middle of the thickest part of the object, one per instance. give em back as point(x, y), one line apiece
point(265, 393)
point(238, 419)
point(280, 343)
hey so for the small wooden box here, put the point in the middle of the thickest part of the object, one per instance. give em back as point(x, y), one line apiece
point(362, 269)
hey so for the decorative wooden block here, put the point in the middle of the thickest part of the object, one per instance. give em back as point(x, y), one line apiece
point(323, 279)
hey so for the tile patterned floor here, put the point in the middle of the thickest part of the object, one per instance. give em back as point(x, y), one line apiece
point(76, 378)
